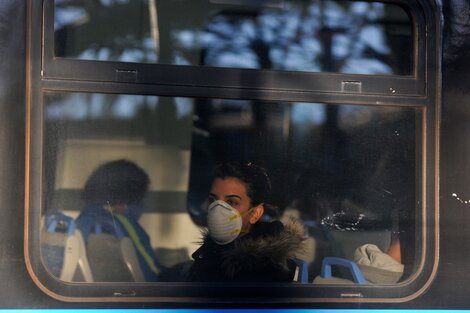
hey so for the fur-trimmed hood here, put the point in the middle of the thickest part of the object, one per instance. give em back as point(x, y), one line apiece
point(266, 253)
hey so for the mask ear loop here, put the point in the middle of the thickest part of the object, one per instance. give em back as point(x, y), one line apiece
point(108, 207)
point(240, 215)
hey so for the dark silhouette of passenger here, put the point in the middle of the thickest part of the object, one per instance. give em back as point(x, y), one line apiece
point(315, 197)
point(113, 195)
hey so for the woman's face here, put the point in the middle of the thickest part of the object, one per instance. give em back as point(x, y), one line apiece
point(234, 192)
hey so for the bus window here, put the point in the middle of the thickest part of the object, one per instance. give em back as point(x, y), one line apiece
point(94, 142)
point(308, 36)
point(350, 173)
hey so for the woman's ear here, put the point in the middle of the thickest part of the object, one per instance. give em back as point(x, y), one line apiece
point(256, 214)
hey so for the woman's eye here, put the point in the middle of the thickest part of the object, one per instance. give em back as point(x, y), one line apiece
point(233, 203)
point(210, 200)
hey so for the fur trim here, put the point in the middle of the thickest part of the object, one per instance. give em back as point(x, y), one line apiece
point(251, 253)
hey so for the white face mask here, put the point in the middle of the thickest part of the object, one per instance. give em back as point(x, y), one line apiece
point(224, 222)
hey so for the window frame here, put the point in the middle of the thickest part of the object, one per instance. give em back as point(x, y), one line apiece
point(421, 90)
point(205, 76)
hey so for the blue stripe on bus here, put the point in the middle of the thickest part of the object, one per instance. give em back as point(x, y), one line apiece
point(228, 311)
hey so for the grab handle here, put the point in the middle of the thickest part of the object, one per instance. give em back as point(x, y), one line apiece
point(353, 268)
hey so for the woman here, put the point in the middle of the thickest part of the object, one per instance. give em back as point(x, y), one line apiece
point(238, 246)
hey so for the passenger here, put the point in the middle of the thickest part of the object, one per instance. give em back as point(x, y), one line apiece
point(113, 195)
point(237, 245)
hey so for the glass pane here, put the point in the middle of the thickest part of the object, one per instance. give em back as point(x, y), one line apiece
point(348, 173)
point(294, 35)
point(124, 154)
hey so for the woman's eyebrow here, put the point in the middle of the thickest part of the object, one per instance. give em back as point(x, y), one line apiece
point(227, 196)
point(233, 196)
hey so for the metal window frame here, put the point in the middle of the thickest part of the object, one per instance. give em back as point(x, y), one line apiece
point(201, 76)
point(422, 91)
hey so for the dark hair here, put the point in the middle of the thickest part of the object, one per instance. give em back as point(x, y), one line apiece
point(253, 176)
point(119, 181)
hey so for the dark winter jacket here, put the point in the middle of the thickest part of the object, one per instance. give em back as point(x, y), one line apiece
point(265, 254)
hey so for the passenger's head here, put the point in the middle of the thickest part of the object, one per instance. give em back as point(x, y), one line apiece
point(119, 182)
point(244, 186)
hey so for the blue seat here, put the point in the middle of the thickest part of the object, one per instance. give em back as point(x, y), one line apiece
point(302, 271)
point(356, 273)
point(63, 249)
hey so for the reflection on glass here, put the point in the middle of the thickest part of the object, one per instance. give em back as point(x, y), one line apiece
point(348, 172)
point(106, 30)
point(294, 35)
point(115, 186)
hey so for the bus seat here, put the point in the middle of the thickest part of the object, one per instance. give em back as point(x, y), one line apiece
point(63, 249)
point(113, 258)
point(131, 260)
point(301, 272)
point(84, 274)
point(326, 276)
